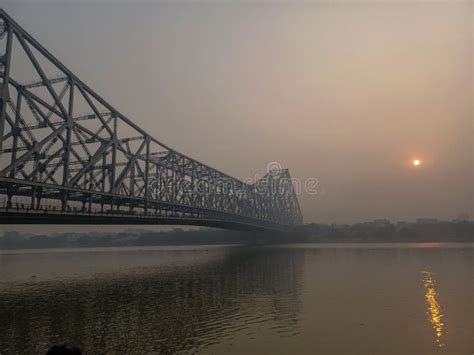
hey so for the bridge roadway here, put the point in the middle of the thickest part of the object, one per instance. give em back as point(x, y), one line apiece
point(52, 212)
point(45, 216)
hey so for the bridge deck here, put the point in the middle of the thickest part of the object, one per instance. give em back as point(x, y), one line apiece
point(25, 216)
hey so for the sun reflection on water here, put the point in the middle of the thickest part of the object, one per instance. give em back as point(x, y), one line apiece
point(434, 310)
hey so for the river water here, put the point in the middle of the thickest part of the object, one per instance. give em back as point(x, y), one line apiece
point(291, 299)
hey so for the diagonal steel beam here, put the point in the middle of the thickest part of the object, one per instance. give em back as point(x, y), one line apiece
point(131, 162)
point(45, 163)
point(41, 73)
point(4, 94)
point(92, 161)
point(35, 149)
point(96, 111)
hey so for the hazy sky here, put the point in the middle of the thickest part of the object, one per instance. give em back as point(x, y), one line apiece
point(348, 92)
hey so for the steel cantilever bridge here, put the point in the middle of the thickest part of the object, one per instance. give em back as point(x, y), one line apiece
point(69, 157)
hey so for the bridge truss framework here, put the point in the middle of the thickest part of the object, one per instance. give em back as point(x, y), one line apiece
point(68, 156)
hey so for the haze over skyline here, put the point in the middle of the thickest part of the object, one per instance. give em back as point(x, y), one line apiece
point(347, 92)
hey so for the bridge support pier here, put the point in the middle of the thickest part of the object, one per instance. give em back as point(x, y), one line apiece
point(9, 200)
point(64, 201)
point(36, 196)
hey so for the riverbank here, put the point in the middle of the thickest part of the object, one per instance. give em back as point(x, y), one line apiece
point(310, 233)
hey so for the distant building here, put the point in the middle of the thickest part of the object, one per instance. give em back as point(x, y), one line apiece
point(426, 220)
point(401, 224)
point(462, 217)
point(381, 222)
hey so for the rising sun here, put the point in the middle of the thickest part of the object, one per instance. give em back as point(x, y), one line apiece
point(416, 162)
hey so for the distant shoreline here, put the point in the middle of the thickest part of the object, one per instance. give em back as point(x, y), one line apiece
point(205, 247)
point(439, 232)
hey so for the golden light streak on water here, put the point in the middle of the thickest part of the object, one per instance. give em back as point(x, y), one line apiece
point(434, 310)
